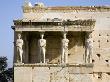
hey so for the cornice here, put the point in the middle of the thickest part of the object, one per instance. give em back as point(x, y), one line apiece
point(67, 9)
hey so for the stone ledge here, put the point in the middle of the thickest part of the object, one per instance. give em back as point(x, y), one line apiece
point(53, 65)
point(51, 68)
point(55, 28)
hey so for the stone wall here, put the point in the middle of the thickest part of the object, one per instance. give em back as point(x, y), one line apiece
point(58, 73)
point(76, 48)
point(52, 73)
point(101, 50)
point(101, 54)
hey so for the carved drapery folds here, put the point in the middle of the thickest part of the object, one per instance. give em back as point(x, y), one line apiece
point(64, 52)
point(58, 25)
point(42, 48)
point(19, 44)
point(88, 47)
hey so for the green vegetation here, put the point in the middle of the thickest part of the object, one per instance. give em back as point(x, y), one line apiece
point(6, 74)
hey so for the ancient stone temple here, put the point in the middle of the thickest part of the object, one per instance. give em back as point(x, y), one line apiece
point(62, 44)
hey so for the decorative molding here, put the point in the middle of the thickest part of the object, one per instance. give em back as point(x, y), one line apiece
point(67, 9)
point(88, 22)
point(54, 28)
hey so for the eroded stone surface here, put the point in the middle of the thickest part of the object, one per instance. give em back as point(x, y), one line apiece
point(76, 70)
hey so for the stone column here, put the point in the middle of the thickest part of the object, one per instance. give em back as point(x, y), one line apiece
point(88, 47)
point(19, 44)
point(64, 54)
point(42, 48)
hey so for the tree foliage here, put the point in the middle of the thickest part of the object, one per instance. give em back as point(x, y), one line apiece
point(5, 73)
point(3, 63)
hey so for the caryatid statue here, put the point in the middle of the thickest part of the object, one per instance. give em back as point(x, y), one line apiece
point(89, 48)
point(64, 55)
point(19, 44)
point(42, 48)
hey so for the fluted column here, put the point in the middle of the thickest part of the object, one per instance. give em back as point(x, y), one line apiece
point(88, 47)
point(64, 54)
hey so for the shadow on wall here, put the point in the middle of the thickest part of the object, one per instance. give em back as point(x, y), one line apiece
point(53, 46)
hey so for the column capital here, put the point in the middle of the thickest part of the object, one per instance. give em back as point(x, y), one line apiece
point(64, 32)
point(19, 32)
point(42, 31)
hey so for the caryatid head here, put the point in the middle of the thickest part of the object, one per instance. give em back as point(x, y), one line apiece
point(19, 35)
point(64, 35)
point(42, 35)
point(89, 35)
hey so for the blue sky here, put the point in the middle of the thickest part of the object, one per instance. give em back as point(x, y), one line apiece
point(11, 9)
